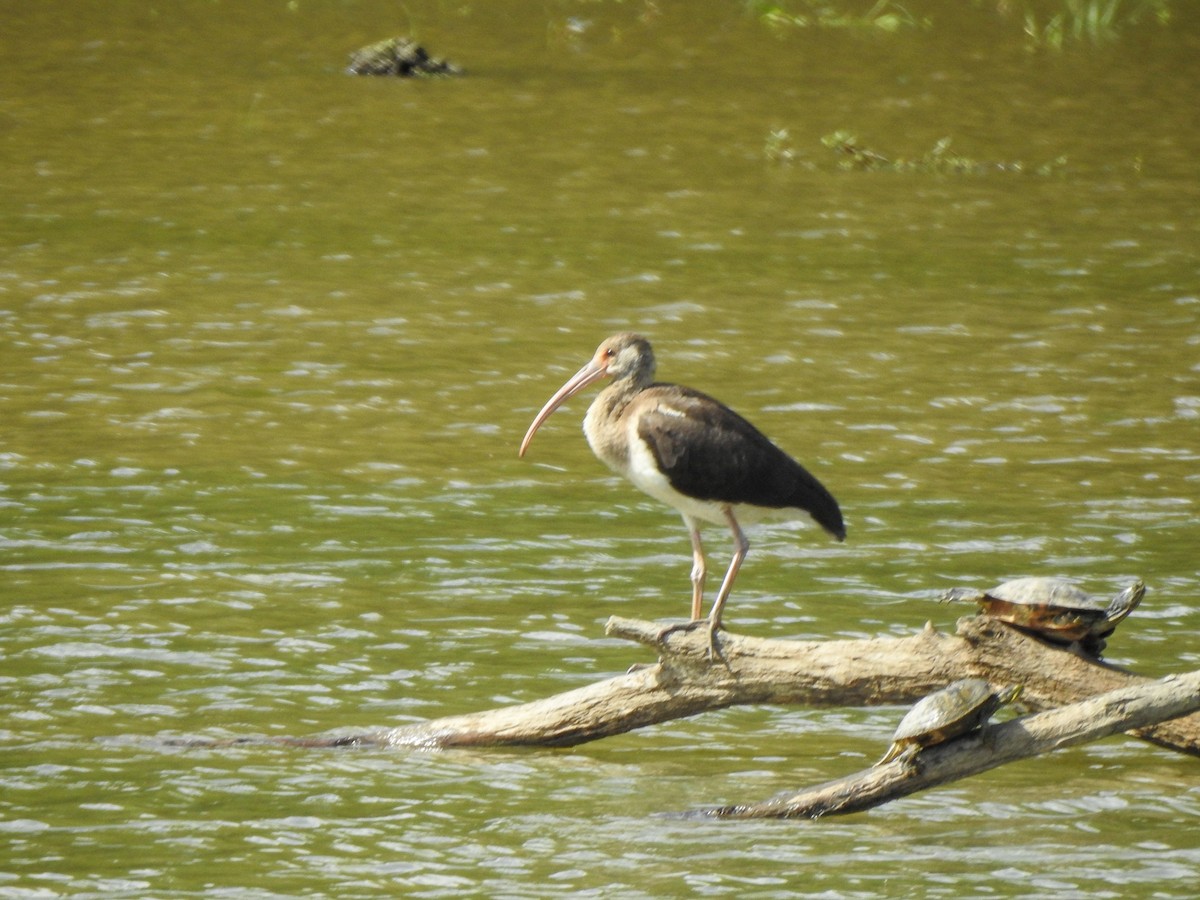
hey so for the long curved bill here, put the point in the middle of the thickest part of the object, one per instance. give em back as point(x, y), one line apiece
point(588, 375)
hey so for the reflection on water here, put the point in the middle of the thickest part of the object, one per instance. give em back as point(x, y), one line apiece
point(268, 341)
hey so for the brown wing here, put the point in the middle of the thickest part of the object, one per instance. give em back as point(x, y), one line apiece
point(709, 452)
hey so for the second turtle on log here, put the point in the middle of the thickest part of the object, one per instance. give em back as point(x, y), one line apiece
point(955, 710)
point(1054, 609)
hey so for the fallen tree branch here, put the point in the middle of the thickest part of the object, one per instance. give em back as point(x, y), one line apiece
point(684, 683)
point(1093, 700)
point(864, 672)
point(1088, 720)
point(856, 672)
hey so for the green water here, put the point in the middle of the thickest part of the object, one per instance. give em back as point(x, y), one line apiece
point(270, 336)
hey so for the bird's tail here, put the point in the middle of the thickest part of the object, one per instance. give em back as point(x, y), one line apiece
point(812, 496)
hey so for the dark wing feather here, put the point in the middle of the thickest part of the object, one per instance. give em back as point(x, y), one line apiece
point(709, 452)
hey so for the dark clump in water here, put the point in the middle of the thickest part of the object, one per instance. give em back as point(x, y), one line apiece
point(398, 56)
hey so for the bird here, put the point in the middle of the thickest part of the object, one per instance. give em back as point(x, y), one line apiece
point(693, 453)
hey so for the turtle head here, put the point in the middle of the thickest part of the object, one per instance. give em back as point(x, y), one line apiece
point(1126, 601)
point(1009, 694)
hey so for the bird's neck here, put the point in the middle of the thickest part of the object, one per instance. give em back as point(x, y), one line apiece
point(604, 424)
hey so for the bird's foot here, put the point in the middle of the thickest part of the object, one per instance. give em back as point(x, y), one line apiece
point(714, 652)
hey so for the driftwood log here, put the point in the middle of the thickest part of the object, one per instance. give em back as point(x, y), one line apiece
point(864, 672)
point(1075, 698)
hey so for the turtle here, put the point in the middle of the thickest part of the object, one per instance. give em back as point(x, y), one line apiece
point(955, 710)
point(1054, 609)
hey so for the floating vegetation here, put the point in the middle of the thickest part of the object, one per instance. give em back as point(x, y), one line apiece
point(778, 146)
point(398, 56)
point(885, 15)
point(938, 160)
point(1048, 24)
point(1088, 21)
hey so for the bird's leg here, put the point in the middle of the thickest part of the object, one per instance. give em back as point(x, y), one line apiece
point(699, 568)
point(740, 547)
point(699, 573)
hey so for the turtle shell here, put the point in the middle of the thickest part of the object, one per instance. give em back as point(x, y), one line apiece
point(1053, 608)
point(956, 709)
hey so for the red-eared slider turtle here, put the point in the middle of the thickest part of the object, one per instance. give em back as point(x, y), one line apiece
point(1054, 609)
point(946, 714)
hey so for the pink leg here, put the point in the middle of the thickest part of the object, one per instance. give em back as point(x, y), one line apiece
point(699, 568)
point(741, 547)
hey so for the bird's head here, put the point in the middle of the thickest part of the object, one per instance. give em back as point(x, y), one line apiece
point(621, 357)
point(626, 356)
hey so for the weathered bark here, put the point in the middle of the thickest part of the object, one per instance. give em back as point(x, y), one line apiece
point(684, 683)
point(757, 671)
point(1127, 708)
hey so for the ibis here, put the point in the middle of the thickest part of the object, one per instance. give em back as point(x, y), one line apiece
point(693, 453)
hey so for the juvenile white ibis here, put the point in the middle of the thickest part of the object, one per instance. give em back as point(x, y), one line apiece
point(684, 448)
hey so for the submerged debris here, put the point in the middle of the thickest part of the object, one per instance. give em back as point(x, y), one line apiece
point(401, 57)
point(939, 159)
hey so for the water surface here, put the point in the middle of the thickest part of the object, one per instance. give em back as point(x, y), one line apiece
point(270, 336)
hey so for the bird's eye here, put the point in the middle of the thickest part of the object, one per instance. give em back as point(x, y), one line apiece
point(609, 352)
